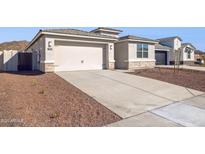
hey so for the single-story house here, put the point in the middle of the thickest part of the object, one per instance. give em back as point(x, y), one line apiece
point(102, 48)
point(71, 49)
point(172, 49)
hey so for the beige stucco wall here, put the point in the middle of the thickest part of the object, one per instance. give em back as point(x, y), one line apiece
point(47, 59)
point(126, 56)
point(121, 55)
point(135, 62)
point(132, 54)
point(38, 48)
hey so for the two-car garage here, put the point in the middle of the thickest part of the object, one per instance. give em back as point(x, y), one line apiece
point(72, 50)
point(70, 56)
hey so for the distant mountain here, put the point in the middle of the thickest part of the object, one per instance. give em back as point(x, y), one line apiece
point(14, 45)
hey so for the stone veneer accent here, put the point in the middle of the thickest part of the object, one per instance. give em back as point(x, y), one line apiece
point(47, 67)
point(111, 65)
point(141, 64)
point(188, 62)
point(191, 62)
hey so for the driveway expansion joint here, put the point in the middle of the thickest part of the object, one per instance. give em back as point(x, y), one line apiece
point(133, 87)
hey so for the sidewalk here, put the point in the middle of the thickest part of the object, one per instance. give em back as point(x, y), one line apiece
point(186, 113)
point(198, 68)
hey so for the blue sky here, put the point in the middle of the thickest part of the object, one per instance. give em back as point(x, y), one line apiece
point(196, 36)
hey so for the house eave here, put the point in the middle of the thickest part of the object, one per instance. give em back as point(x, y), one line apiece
point(162, 49)
point(142, 41)
point(40, 33)
point(106, 30)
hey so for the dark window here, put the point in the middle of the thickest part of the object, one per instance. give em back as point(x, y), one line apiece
point(188, 50)
point(139, 50)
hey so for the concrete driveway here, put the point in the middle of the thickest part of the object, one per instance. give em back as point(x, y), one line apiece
point(131, 97)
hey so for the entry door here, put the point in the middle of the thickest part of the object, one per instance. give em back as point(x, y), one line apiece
point(161, 57)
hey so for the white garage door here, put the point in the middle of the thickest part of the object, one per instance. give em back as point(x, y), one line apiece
point(78, 57)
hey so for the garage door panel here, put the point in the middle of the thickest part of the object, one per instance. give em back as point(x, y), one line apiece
point(69, 58)
point(161, 57)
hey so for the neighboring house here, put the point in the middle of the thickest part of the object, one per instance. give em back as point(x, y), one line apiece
point(199, 56)
point(171, 49)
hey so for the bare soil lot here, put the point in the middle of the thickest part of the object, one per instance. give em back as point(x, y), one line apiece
point(187, 78)
point(34, 99)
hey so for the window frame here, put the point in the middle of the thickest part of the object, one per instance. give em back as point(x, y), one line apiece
point(143, 51)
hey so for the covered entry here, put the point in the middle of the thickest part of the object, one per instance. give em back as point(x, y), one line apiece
point(161, 57)
point(70, 56)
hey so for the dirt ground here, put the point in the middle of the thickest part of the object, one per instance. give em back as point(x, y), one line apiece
point(187, 78)
point(34, 99)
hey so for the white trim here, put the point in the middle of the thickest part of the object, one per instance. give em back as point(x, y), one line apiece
point(106, 30)
point(58, 34)
point(112, 61)
point(33, 40)
point(162, 50)
point(47, 61)
point(81, 36)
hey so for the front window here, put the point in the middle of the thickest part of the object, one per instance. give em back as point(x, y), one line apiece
point(188, 50)
point(142, 50)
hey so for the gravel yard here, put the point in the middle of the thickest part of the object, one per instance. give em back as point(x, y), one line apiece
point(187, 78)
point(34, 99)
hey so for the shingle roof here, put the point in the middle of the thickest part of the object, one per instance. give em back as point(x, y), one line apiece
point(107, 28)
point(185, 44)
point(75, 32)
point(162, 47)
point(169, 38)
point(136, 38)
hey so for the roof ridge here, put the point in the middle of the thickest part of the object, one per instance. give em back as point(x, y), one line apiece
point(171, 37)
point(75, 32)
point(137, 37)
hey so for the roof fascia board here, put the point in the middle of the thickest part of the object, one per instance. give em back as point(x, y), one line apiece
point(162, 49)
point(71, 35)
point(79, 36)
point(34, 39)
point(106, 30)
